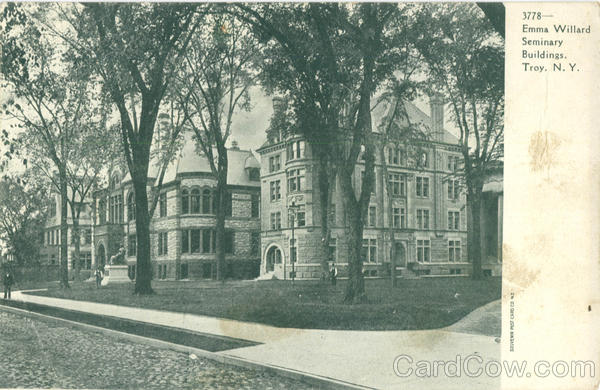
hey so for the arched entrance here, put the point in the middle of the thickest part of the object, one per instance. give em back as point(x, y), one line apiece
point(400, 255)
point(101, 257)
point(273, 257)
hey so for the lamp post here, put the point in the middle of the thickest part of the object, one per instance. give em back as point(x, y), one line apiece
point(293, 209)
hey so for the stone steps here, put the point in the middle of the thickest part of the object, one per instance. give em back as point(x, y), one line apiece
point(267, 276)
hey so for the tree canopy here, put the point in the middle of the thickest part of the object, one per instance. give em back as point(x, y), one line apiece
point(465, 63)
point(24, 201)
point(136, 50)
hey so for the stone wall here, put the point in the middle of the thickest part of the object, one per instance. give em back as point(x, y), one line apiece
point(308, 238)
point(173, 223)
point(439, 250)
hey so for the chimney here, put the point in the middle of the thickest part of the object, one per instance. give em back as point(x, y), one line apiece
point(436, 103)
point(279, 104)
point(163, 120)
point(162, 128)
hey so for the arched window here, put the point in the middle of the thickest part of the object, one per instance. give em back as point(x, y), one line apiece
point(195, 201)
point(119, 208)
point(185, 201)
point(393, 155)
point(207, 202)
point(111, 209)
point(130, 207)
point(102, 211)
point(115, 181)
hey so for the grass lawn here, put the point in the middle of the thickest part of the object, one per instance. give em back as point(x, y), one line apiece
point(33, 284)
point(425, 303)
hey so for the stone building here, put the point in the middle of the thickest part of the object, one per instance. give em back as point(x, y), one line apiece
point(428, 206)
point(50, 251)
point(491, 224)
point(182, 229)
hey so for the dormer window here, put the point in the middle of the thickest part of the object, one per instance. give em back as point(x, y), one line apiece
point(393, 156)
point(115, 182)
point(254, 174)
point(252, 168)
point(424, 160)
point(53, 207)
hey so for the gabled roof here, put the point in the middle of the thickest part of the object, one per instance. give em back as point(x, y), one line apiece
point(251, 162)
point(415, 115)
point(266, 144)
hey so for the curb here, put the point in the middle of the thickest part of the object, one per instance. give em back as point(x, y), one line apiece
point(317, 381)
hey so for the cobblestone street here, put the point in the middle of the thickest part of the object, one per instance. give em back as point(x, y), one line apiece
point(41, 354)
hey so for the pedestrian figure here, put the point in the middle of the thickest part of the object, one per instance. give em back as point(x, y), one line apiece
point(8, 281)
point(333, 274)
point(98, 275)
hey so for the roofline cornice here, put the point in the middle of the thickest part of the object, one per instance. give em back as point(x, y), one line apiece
point(271, 148)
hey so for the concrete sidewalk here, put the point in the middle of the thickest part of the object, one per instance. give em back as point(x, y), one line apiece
point(485, 320)
point(362, 358)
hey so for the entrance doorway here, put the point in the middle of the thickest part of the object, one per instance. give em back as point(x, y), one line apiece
point(273, 257)
point(101, 256)
point(400, 255)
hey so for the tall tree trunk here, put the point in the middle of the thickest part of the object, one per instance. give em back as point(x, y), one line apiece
point(75, 235)
point(221, 211)
point(362, 135)
point(357, 209)
point(143, 281)
point(474, 231)
point(354, 224)
point(64, 245)
point(138, 168)
point(355, 289)
point(388, 189)
point(325, 194)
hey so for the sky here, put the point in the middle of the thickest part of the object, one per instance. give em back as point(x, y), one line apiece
point(249, 127)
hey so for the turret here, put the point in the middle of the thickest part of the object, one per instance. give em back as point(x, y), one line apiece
point(436, 103)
